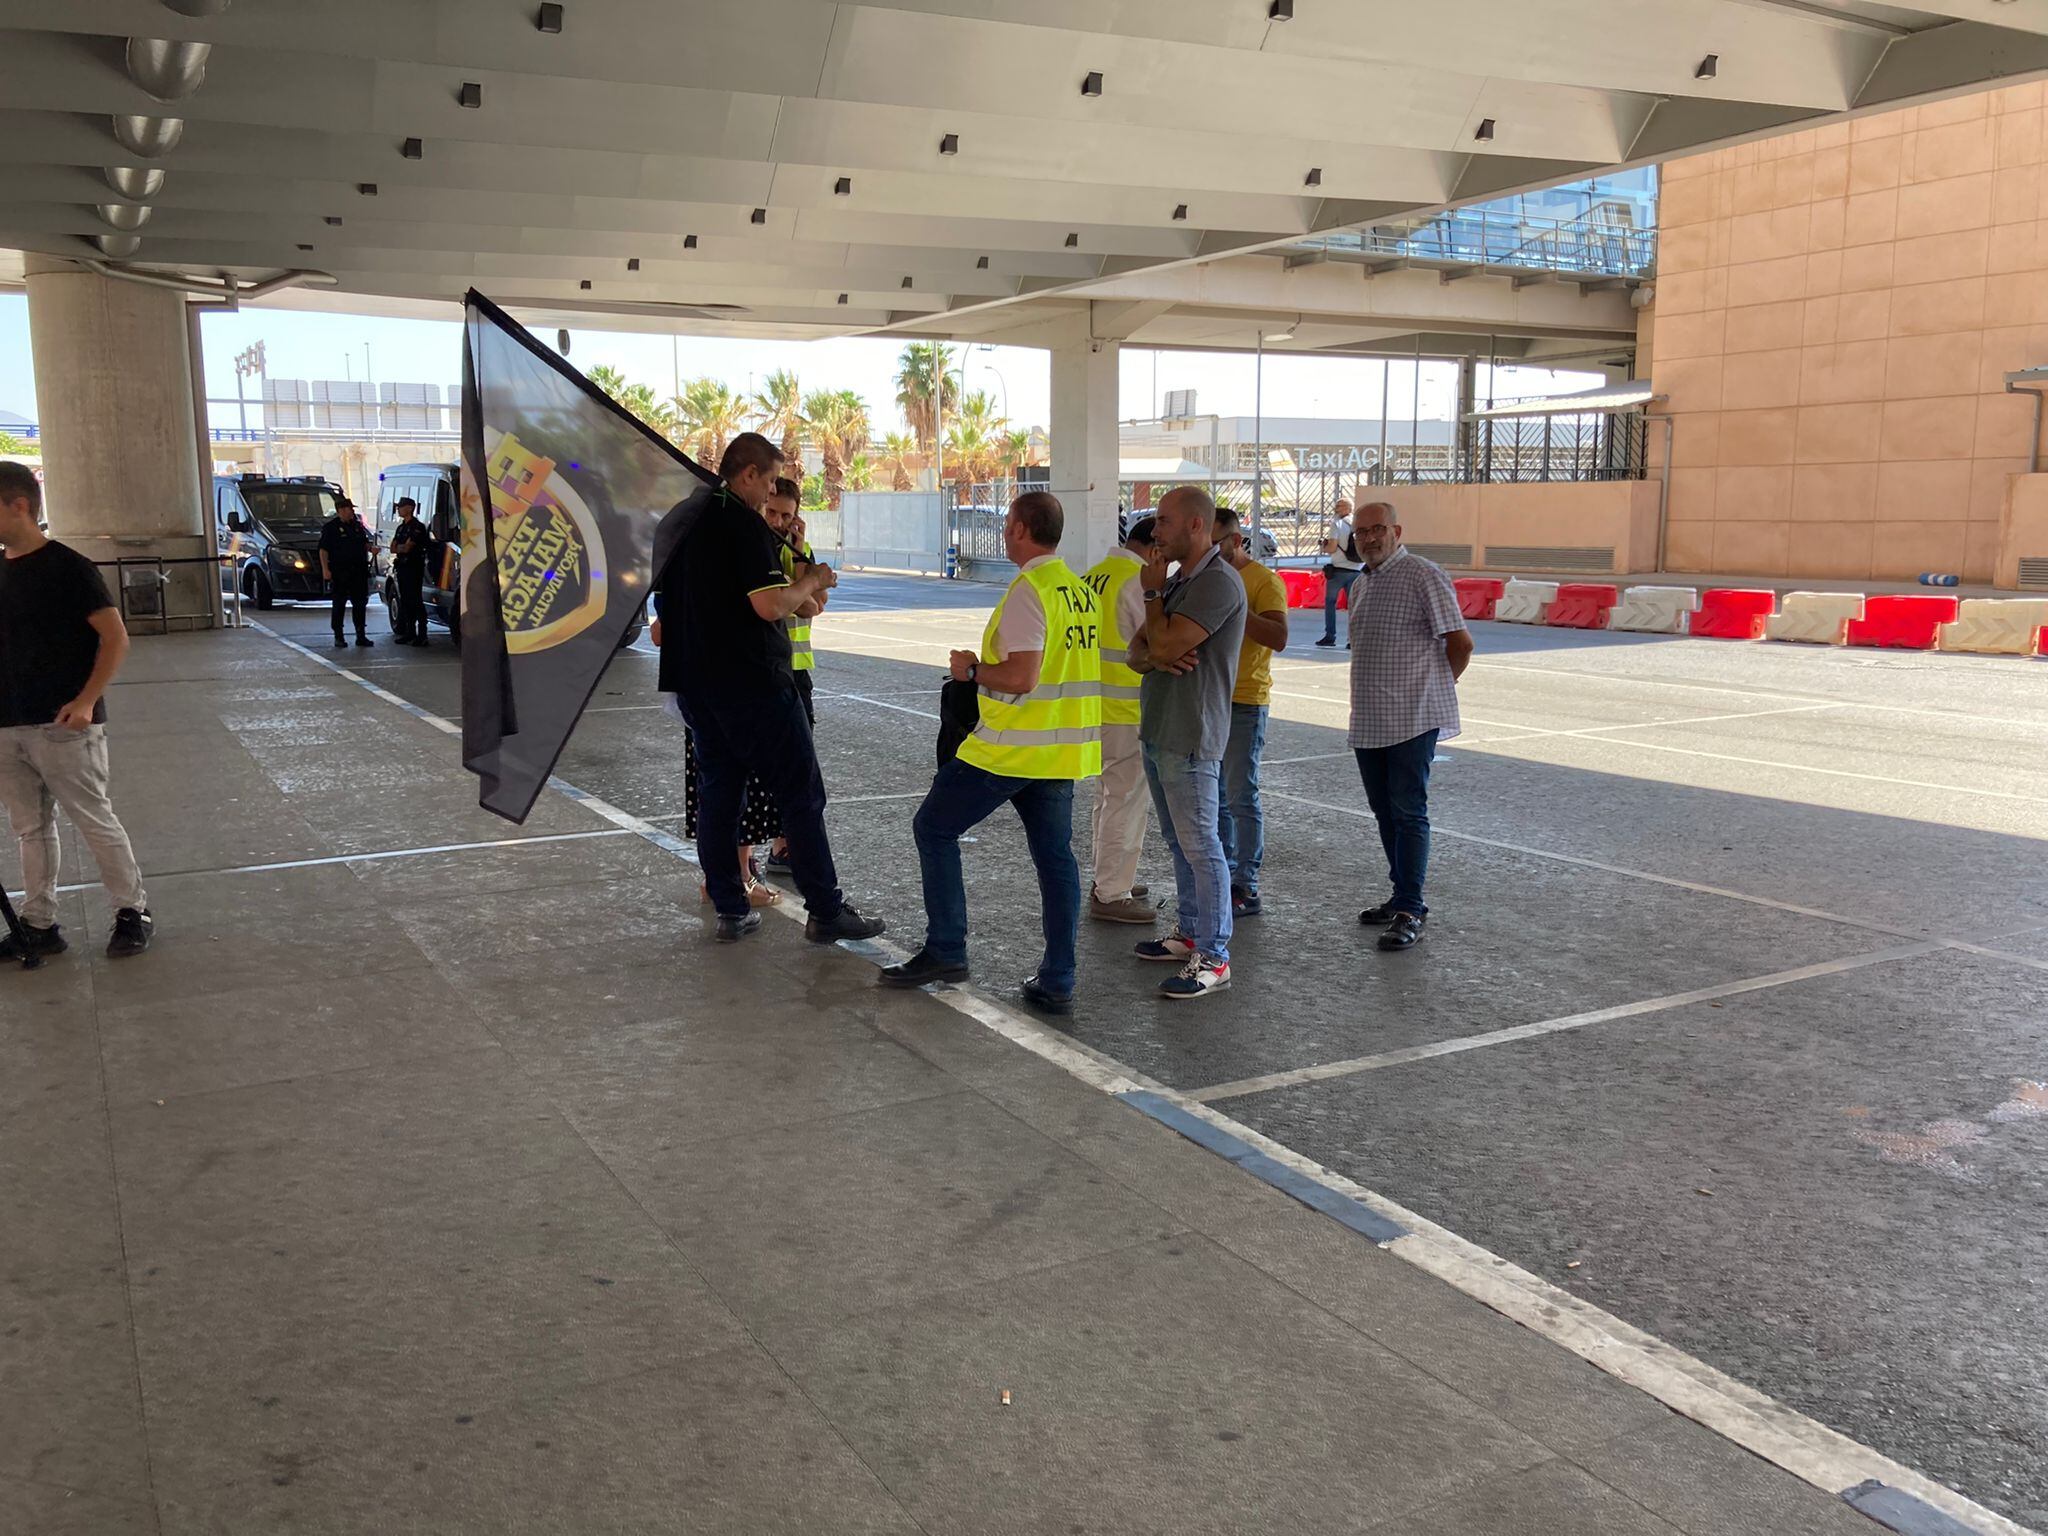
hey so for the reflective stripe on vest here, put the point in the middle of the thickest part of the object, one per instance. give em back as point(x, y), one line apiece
point(798, 630)
point(1119, 683)
point(1055, 730)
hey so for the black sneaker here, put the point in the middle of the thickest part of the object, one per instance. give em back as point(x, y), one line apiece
point(921, 969)
point(845, 924)
point(132, 929)
point(40, 942)
point(732, 929)
point(1327, 640)
point(364, 640)
point(1244, 903)
point(1044, 999)
point(340, 644)
point(1403, 931)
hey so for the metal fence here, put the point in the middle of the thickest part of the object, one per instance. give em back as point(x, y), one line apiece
point(1603, 244)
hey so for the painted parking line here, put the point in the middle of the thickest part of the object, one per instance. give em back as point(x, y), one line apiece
point(1787, 1439)
point(1325, 1071)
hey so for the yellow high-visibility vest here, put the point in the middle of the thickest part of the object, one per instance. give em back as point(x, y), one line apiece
point(1119, 682)
point(1055, 730)
point(798, 630)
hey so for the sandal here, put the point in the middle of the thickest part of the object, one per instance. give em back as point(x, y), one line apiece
point(762, 895)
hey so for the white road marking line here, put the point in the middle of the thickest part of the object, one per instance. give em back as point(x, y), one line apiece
point(1809, 1450)
point(1622, 869)
point(901, 709)
point(1358, 1064)
point(2006, 955)
point(619, 709)
point(1313, 757)
point(1833, 773)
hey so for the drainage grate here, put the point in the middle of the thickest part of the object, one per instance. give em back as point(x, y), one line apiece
point(1444, 554)
point(2034, 573)
point(1548, 557)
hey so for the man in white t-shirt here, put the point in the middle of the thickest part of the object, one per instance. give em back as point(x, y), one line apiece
point(1342, 570)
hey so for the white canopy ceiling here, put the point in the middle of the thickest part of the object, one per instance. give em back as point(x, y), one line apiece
point(804, 168)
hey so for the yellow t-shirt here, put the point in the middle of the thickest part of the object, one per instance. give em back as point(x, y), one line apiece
point(1264, 592)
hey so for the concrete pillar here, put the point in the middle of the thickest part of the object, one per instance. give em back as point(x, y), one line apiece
point(115, 401)
point(1085, 445)
point(1466, 433)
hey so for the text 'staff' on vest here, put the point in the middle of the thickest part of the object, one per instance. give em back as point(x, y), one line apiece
point(1055, 730)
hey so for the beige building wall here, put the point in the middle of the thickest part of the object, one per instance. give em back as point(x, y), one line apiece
point(1836, 311)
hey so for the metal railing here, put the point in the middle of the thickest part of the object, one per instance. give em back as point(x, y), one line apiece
point(1593, 245)
point(141, 583)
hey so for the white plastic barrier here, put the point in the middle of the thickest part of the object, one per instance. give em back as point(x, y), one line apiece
point(1654, 610)
point(1818, 618)
point(1524, 602)
point(1996, 626)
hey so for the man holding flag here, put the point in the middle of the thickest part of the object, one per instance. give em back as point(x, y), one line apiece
point(725, 655)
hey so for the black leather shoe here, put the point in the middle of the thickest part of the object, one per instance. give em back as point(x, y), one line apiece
point(1327, 640)
point(1043, 1000)
point(1403, 931)
point(1377, 917)
point(340, 644)
point(921, 969)
point(847, 924)
point(732, 929)
point(365, 641)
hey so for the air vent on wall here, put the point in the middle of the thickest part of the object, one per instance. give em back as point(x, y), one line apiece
point(1445, 554)
point(2034, 573)
point(1548, 557)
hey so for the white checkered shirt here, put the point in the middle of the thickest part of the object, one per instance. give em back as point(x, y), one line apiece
point(1401, 683)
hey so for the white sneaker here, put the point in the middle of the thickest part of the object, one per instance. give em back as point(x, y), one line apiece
point(1202, 975)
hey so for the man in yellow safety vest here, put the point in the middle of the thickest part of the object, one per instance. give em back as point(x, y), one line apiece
point(781, 511)
point(1038, 680)
point(1121, 801)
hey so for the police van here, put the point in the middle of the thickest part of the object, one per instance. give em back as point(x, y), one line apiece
point(268, 533)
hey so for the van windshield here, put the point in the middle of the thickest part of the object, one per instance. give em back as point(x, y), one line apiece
point(291, 511)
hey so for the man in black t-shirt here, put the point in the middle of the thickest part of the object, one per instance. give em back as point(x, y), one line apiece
point(409, 542)
point(725, 656)
point(61, 641)
point(345, 565)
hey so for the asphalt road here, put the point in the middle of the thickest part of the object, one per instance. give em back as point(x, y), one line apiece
point(1805, 889)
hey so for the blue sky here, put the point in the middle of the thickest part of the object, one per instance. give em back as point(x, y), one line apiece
point(326, 346)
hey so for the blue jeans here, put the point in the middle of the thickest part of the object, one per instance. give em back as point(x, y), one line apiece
point(766, 736)
point(1336, 581)
point(1240, 821)
point(1185, 792)
point(962, 797)
point(1397, 789)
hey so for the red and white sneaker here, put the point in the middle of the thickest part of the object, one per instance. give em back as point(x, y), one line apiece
point(1176, 946)
point(1202, 975)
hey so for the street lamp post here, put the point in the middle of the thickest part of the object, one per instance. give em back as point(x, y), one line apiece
point(1259, 427)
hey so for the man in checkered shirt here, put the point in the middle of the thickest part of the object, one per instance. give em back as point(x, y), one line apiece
point(1409, 645)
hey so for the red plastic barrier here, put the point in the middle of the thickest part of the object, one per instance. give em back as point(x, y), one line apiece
point(1304, 588)
point(1733, 613)
point(1902, 623)
point(1478, 594)
point(1581, 605)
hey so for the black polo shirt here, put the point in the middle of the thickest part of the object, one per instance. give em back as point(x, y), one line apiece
point(347, 546)
point(713, 643)
point(409, 543)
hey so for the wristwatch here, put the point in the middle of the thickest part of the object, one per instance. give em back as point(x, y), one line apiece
point(973, 671)
point(1153, 594)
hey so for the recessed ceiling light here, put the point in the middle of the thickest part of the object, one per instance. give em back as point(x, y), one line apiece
point(1072, 241)
point(1281, 10)
point(413, 149)
point(471, 94)
point(331, 219)
point(842, 298)
point(689, 242)
point(1709, 67)
point(632, 263)
point(1091, 83)
point(305, 247)
point(367, 188)
point(1485, 133)
point(906, 282)
point(549, 19)
point(1314, 178)
point(981, 264)
point(585, 284)
point(1180, 210)
point(843, 187)
point(760, 215)
point(950, 144)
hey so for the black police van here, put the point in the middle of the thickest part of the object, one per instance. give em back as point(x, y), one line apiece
point(436, 490)
point(269, 534)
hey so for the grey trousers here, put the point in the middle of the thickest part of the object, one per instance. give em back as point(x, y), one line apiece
point(41, 768)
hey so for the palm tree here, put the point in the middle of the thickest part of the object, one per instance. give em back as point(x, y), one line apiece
point(897, 448)
point(839, 428)
point(708, 415)
point(778, 409)
point(968, 452)
point(640, 401)
point(924, 384)
point(1016, 448)
point(860, 473)
point(608, 379)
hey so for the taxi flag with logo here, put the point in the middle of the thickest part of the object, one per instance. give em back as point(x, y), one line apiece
point(561, 491)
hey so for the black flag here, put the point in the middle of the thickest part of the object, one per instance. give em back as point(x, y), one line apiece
point(561, 491)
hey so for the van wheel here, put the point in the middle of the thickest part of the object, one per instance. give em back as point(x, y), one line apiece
point(256, 587)
point(391, 604)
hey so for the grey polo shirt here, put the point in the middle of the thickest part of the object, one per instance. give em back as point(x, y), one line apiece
point(1189, 715)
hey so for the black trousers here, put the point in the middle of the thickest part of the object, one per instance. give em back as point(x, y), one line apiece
point(770, 738)
point(412, 607)
point(346, 588)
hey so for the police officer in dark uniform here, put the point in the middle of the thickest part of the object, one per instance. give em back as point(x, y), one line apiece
point(409, 542)
point(345, 566)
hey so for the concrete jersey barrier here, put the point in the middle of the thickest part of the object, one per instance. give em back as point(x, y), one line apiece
point(1525, 602)
point(1997, 626)
point(1654, 610)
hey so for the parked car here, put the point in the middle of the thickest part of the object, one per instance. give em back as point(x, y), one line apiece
point(268, 533)
point(437, 490)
